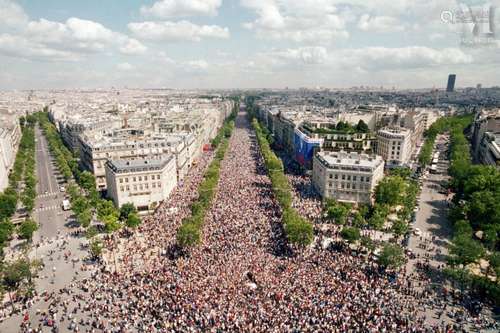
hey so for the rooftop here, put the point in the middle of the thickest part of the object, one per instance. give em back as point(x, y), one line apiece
point(138, 165)
point(349, 159)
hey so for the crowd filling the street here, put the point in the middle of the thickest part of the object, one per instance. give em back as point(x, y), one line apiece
point(243, 276)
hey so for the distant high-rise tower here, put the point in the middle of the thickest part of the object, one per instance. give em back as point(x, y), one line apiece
point(451, 83)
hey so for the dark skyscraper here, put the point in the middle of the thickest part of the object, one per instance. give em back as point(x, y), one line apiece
point(451, 83)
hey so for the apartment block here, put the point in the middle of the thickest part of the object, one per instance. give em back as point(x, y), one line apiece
point(395, 146)
point(347, 177)
point(10, 137)
point(143, 182)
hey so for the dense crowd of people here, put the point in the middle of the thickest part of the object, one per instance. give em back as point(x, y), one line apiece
point(243, 277)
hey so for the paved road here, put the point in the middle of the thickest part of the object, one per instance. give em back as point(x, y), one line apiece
point(60, 252)
point(431, 218)
point(48, 212)
point(436, 233)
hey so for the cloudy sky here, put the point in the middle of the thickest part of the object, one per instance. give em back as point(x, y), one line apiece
point(243, 43)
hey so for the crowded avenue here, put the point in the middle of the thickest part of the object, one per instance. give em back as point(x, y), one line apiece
point(243, 277)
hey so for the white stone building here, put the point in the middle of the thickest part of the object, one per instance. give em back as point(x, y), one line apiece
point(143, 182)
point(10, 137)
point(394, 144)
point(347, 177)
point(96, 151)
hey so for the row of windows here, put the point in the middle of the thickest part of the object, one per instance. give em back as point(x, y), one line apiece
point(140, 178)
point(353, 186)
point(149, 145)
point(140, 187)
point(348, 177)
point(344, 194)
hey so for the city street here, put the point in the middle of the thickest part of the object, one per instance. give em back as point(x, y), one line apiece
point(60, 252)
point(431, 222)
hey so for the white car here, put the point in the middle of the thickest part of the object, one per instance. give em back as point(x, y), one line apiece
point(62, 189)
point(417, 232)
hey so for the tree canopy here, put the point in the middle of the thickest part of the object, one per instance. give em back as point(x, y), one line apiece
point(350, 234)
point(27, 228)
point(391, 256)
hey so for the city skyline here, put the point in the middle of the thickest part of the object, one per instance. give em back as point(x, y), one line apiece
point(239, 44)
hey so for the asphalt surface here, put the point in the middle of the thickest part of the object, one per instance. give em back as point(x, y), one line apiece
point(61, 252)
point(431, 217)
point(48, 210)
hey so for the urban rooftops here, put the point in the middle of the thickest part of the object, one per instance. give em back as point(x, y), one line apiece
point(138, 165)
point(341, 160)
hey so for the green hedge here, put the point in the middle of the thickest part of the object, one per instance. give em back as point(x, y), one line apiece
point(189, 233)
point(298, 230)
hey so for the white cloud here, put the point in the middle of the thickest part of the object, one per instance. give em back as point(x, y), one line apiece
point(436, 36)
point(383, 58)
point(133, 47)
point(124, 66)
point(21, 47)
point(176, 31)
point(182, 8)
point(62, 40)
point(312, 55)
point(194, 66)
point(307, 21)
point(379, 24)
point(11, 14)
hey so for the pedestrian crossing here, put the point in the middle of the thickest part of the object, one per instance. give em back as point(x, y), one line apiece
point(45, 195)
point(46, 208)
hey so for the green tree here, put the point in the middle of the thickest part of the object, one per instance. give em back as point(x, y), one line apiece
point(402, 172)
point(6, 231)
point(390, 191)
point(126, 209)
point(494, 261)
point(111, 223)
point(27, 228)
point(376, 221)
point(362, 127)
point(106, 208)
point(79, 205)
point(338, 213)
point(358, 220)
point(91, 232)
point(399, 227)
point(297, 229)
point(95, 248)
point(84, 218)
point(464, 250)
point(188, 235)
point(462, 227)
point(87, 181)
point(8, 204)
point(368, 243)
point(391, 256)
point(133, 221)
point(28, 202)
point(14, 274)
point(350, 234)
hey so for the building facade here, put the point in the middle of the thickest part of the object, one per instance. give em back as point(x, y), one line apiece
point(143, 182)
point(10, 137)
point(489, 149)
point(95, 153)
point(486, 121)
point(394, 144)
point(347, 177)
